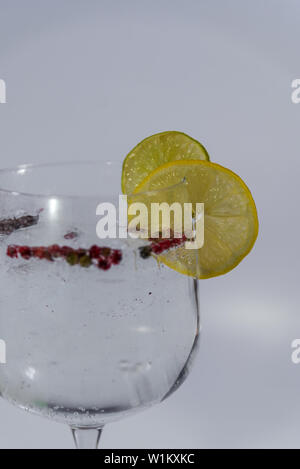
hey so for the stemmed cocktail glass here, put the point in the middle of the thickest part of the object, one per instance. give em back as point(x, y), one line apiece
point(87, 343)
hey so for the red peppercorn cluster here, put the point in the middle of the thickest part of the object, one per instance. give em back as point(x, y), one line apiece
point(102, 257)
point(158, 246)
point(10, 225)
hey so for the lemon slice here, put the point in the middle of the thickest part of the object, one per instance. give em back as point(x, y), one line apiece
point(230, 220)
point(155, 151)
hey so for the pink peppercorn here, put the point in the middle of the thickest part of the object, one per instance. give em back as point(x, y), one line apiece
point(25, 252)
point(38, 252)
point(95, 252)
point(104, 263)
point(55, 250)
point(12, 251)
point(48, 255)
point(66, 250)
point(116, 256)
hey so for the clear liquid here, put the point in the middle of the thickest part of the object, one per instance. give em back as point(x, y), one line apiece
point(84, 346)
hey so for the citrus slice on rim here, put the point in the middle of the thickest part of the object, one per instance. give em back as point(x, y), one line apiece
point(155, 151)
point(230, 216)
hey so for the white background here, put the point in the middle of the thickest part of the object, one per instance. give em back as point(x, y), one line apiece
point(89, 79)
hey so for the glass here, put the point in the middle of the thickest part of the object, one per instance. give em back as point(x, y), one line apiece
point(85, 346)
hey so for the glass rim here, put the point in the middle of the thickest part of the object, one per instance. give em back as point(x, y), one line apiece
point(19, 169)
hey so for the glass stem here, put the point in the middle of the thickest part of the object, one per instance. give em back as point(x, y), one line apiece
point(86, 438)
